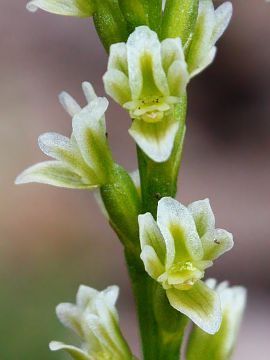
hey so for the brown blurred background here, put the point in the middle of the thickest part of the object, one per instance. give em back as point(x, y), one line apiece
point(52, 239)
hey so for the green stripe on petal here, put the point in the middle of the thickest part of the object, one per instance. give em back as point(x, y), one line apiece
point(117, 86)
point(155, 139)
point(90, 133)
point(152, 264)
point(200, 304)
point(216, 242)
point(63, 149)
point(223, 16)
point(146, 74)
point(54, 173)
point(73, 351)
point(151, 235)
point(203, 216)
point(80, 8)
point(179, 231)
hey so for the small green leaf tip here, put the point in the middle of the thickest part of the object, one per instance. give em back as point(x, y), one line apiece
point(221, 345)
point(176, 251)
point(82, 161)
point(94, 319)
point(80, 8)
point(148, 77)
point(209, 27)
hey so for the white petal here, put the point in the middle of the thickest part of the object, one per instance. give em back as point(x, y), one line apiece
point(69, 315)
point(203, 216)
point(144, 50)
point(69, 103)
point(200, 304)
point(152, 264)
point(86, 296)
point(171, 51)
point(216, 242)
point(73, 351)
point(89, 131)
point(118, 58)
point(117, 86)
point(111, 294)
point(179, 231)
point(205, 62)
point(88, 91)
point(155, 139)
point(79, 8)
point(151, 235)
point(223, 15)
point(178, 78)
point(53, 173)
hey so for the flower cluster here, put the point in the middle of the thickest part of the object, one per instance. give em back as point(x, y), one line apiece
point(82, 162)
point(94, 319)
point(176, 251)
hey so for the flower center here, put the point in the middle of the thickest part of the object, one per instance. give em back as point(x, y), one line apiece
point(183, 275)
point(151, 109)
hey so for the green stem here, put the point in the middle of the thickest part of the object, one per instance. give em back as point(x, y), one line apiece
point(162, 327)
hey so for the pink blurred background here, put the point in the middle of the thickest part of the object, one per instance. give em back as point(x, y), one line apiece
point(54, 239)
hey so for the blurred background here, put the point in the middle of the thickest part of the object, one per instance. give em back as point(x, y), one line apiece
point(52, 239)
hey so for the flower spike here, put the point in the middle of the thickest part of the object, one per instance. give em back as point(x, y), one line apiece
point(176, 251)
point(82, 161)
point(95, 320)
point(148, 77)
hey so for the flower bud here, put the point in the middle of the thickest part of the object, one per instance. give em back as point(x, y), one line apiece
point(80, 8)
point(95, 320)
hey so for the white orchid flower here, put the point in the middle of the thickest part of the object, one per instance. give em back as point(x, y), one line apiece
point(176, 251)
point(95, 320)
point(82, 161)
point(148, 77)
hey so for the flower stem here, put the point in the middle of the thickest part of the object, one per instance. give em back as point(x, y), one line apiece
point(161, 326)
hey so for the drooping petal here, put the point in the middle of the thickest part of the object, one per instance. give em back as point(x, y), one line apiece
point(179, 231)
point(54, 173)
point(146, 74)
point(216, 242)
point(80, 8)
point(117, 86)
point(155, 139)
point(73, 351)
point(223, 15)
point(200, 304)
point(151, 235)
point(152, 264)
point(203, 216)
